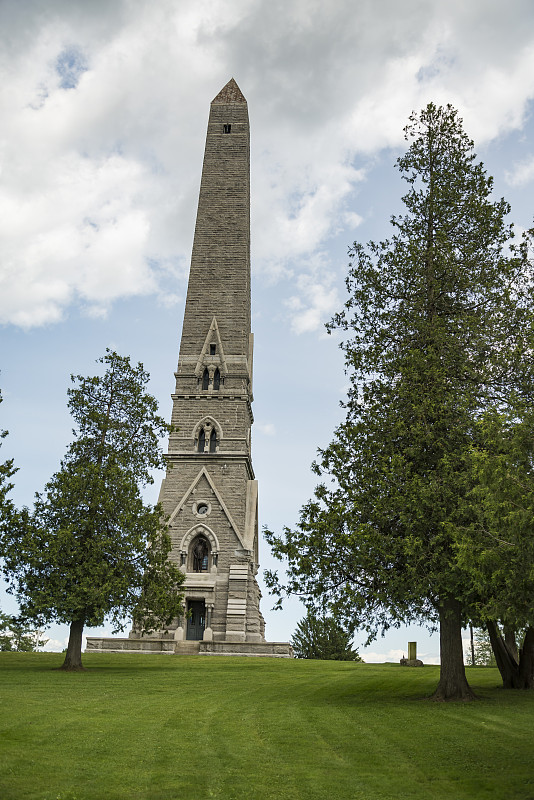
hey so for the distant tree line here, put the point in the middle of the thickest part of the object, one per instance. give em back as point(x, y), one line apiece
point(19, 635)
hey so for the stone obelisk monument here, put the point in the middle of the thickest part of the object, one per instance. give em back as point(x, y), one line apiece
point(210, 494)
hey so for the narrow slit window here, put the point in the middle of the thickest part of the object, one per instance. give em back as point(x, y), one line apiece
point(201, 440)
point(213, 349)
point(213, 441)
point(227, 128)
point(216, 379)
point(206, 379)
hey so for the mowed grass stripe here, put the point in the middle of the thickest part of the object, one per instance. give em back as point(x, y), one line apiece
point(234, 728)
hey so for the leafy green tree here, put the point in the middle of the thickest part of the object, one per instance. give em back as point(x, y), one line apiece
point(322, 637)
point(497, 548)
point(92, 549)
point(19, 635)
point(439, 319)
point(7, 470)
point(15, 633)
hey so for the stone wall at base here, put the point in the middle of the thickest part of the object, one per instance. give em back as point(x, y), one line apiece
point(150, 645)
point(118, 645)
point(265, 649)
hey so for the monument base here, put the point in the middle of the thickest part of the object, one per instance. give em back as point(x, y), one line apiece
point(265, 649)
point(185, 647)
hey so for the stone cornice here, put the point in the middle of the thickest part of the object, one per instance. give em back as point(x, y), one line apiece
point(210, 458)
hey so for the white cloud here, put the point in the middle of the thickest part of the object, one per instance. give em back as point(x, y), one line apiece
point(317, 299)
point(104, 108)
point(55, 645)
point(430, 659)
point(372, 657)
point(352, 219)
point(522, 173)
point(266, 428)
point(87, 239)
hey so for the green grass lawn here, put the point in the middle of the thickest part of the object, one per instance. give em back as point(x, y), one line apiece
point(156, 726)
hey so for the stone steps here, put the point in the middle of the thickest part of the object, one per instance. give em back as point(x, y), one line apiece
point(187, 648)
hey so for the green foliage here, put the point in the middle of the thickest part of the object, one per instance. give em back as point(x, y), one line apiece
point(19, 635)
point(439, 321)
point(324, 638)
point(497, 547)
point(484, 656)
point(296, 729)
point(7, 470)
point(92, 548)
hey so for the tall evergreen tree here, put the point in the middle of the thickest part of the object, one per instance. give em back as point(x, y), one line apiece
point(92, 548)
point(439, 320)
point(323, 637)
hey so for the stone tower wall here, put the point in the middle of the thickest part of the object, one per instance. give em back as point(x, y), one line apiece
point(217, 342)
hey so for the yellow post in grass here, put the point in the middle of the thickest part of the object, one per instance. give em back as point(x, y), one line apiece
point(412, 651)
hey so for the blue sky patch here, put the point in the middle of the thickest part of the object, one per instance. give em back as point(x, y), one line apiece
point(70, 65)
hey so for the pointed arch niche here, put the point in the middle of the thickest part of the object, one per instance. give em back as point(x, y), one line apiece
point(199, 549)
point(207, 435)
point(211, 368)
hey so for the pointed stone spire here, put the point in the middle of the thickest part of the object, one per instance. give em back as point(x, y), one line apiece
point(231, 93)
point(219, 278)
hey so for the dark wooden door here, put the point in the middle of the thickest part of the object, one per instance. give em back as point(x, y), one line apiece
point(196, 621)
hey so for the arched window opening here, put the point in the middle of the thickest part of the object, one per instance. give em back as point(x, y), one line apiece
point(205, 379)
point(216, 379)
point(201, 440)
point(200, 553)
point(213, 441)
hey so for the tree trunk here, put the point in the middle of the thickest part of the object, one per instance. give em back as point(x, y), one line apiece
point(511, 643)
point(515, 674)
point(526, 661)
point(506, 663)
point(73, 656)
point(452, 681)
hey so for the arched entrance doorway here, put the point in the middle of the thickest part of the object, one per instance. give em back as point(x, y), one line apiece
point(196, 619)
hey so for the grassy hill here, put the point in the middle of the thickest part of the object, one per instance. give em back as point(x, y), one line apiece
point(162, 727)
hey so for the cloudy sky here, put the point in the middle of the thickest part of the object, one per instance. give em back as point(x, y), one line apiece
point(104, 108)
